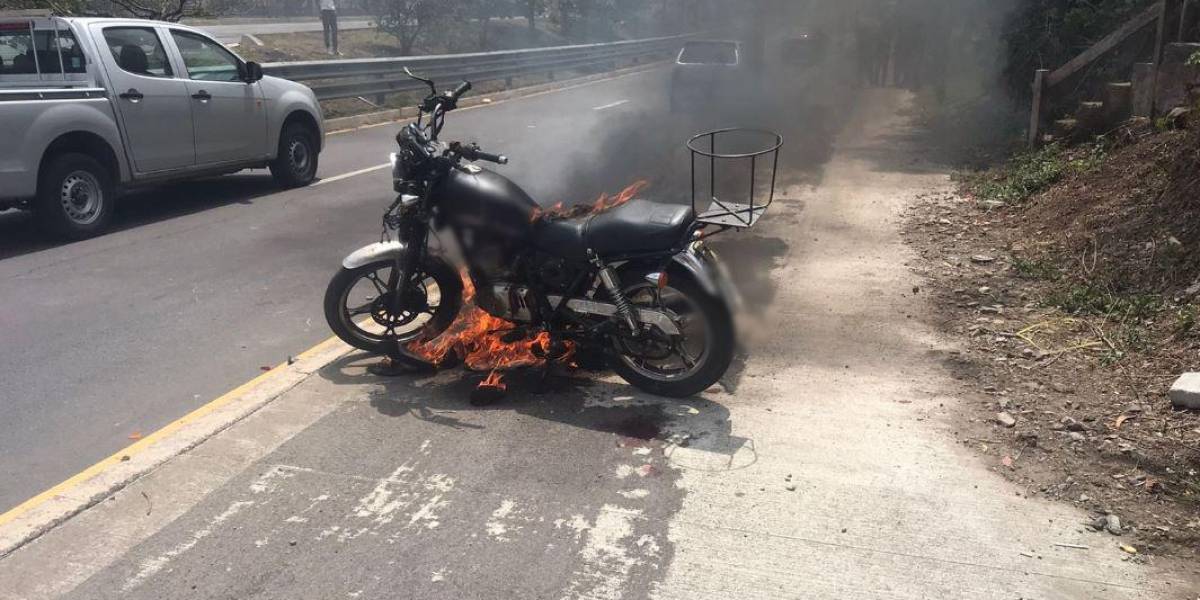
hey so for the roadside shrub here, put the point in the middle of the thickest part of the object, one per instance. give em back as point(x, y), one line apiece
point(1036, 269)
point(1026, 174)
point(1030, 172)
point(1090, 299)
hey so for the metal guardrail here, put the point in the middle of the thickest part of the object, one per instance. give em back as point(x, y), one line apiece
point(333, 79)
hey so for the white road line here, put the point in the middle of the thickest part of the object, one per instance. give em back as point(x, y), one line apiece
point(352, 174)
point(613, 105)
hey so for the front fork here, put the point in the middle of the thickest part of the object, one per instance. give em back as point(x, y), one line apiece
point(413, 235)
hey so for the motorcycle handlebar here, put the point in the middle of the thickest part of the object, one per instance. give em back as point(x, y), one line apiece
point(474, 153)
point(462, 88)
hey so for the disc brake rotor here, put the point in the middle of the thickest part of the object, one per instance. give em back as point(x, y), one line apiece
point(414, 303)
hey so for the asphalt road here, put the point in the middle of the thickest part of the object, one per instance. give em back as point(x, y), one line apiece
point(833, 468)
point(204, 283)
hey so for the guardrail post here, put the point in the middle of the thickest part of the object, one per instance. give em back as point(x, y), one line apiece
point(381, 98)
point(508, 83)
point(1035, 116)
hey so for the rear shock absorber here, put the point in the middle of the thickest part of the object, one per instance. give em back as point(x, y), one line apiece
point(612, 284)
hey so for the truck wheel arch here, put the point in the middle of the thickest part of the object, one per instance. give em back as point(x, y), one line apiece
point(306, 119)
point(82, 142)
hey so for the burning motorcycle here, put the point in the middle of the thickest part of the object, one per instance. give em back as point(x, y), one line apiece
point(634, 282)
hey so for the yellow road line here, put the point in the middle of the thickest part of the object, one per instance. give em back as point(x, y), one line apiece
point(129, 451)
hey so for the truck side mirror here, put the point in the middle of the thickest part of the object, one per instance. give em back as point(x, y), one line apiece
point(252, 72)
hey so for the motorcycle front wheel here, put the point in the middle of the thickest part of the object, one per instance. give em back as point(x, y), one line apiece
point(360, 310)
point(682, 366)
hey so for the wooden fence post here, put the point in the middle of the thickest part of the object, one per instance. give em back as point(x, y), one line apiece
point(1160, 42)
point(1035, 116)
point(1183, 21)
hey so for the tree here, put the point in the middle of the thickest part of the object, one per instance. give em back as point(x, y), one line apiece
point(171, 10)
point(531, 10)
point(158, 10)
point(407, 20)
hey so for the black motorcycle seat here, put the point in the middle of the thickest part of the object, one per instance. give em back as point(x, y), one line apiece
point(636, 227)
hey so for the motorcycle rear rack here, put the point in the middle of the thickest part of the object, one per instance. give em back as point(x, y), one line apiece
point(764, 154)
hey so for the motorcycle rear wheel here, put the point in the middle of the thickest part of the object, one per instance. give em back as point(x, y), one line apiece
point(358, 305)
point(709, 314)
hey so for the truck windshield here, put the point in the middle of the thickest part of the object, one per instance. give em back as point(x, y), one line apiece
point(29, 52)
point(709, 53)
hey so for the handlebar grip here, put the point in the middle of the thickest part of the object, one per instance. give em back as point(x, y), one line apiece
point(499, 159)
point(462, 88)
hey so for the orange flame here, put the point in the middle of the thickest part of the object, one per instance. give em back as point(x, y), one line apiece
point(494, 380)
point(477, 338)
point(603, 203)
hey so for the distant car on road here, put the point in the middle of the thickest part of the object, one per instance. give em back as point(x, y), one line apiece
point(706, 70)
point(93, 106)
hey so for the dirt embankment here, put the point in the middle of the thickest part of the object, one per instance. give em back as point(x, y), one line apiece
point(1078, 308)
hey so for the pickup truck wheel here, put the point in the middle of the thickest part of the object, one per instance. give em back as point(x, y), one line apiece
point(75, 197)
point(295, 165)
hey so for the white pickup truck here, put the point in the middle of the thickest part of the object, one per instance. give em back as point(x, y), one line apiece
point(91, 107)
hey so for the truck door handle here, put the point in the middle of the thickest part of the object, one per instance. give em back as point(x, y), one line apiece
point(202, 96)
point(132, 95)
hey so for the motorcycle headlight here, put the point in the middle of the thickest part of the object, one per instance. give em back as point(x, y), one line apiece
point(399, 172)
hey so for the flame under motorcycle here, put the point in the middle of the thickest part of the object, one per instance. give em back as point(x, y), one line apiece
point(634, 282)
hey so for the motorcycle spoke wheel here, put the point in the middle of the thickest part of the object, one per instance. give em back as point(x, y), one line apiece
point(657, 356)
point(368, 309)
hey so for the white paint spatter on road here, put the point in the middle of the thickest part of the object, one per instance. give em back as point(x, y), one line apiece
point(497, 526)
point(266, 482)
point(380, 503)
point(607, 556)
point(150, 567)
point(578, 524)
point(401, 493)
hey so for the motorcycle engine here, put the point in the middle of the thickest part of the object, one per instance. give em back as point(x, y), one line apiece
point(507, 301)
point(555, 275)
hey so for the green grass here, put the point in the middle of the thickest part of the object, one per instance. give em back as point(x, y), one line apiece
point(1082, 300)
point(1036, 269)
point(1033, 171)
point(1185, 319)
point(1194, 59)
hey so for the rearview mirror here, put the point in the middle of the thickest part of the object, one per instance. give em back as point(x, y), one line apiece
point(253, 72)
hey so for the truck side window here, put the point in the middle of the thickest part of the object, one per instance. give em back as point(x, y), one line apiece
point(138, 51)
point(16, 49)
point(72, 55)
point(205, 59)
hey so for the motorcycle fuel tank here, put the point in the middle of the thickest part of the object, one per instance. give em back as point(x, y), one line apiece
point(483, 199)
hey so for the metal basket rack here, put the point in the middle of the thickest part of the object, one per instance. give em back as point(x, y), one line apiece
point(732, 212)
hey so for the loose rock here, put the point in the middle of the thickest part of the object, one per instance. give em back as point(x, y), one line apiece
point(1185, 392)
point(1006, 419)
point(1112, 524)
point(1070, 424)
